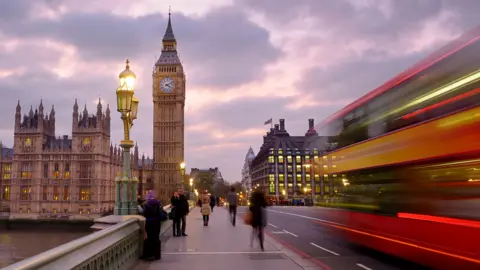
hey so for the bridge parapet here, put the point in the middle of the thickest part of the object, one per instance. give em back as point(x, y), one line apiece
point(117, 244)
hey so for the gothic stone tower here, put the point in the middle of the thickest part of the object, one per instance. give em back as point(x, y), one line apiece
point(168, 117)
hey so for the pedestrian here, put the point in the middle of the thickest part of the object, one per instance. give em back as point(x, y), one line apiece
point(140, 202)
point(206, 208)
point(174, 203)
point(154, 216)
point(182, 211)
point(212, 202)
point(232, 199)
point(257, 207)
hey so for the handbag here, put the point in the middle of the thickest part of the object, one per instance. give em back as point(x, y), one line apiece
point(247, 218)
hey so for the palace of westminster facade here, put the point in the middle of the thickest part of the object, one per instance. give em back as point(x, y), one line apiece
point(48, 176)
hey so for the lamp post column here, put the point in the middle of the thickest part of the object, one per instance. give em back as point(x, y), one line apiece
point(126, 146)
point(118, 205)
point(134, 202)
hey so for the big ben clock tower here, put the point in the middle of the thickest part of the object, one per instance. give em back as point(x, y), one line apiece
point(168, 117)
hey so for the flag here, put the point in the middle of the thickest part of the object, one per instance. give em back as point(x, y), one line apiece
point(269, 121)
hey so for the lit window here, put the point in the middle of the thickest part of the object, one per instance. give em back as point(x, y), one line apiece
point(280, 151)
point(307, 157)
point(7, 167)
point(298, 159)
point(84, 194)
point(289, 168)
point(271, 159)
point(25, 192)
point(6, 193)
point(271, 177)
point(281, 178)
point(280, 159)
point(55, 193)
point(289, 159)
point(28, 142)
point(66, 193)
point(86, 141)
point(307, 177)
point(272, 188)
point(299, 168)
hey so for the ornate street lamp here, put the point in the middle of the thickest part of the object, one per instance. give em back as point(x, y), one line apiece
point(182, 171)
point(127, 106)
point(191, 188)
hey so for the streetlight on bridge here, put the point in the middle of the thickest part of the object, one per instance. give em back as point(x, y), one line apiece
point(191, 188)
point(182, 171)
point(127, 106)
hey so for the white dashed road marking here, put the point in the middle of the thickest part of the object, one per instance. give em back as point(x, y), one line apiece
point(290, 233)
point(322, 248)
point(363, 266)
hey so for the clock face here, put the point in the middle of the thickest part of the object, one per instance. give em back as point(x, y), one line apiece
point(167, 84)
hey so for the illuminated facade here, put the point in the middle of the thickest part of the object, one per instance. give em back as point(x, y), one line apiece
point(292, 167)
point(48, 176)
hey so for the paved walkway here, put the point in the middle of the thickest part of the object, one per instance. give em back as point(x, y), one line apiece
point(220, 246)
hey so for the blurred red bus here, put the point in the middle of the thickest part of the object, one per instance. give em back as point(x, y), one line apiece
point(405, 163)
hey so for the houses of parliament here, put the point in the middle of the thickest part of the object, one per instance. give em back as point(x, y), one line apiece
point(68, 176)
point(74, 177)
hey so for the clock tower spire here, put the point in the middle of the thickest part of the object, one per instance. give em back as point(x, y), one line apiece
point(168, 116)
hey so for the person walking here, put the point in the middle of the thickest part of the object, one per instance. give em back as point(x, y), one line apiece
point(154, 216)
point(257, 207)
point(212, 202)
point(232, 199)
point(182, 210)
point(206, 208)
point(174, 203)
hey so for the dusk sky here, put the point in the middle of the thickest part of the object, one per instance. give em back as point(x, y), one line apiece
point(246, 61)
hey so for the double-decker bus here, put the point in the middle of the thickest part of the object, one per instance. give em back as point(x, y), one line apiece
point(406, 162)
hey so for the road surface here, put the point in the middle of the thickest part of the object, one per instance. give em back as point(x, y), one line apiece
point(300, 233)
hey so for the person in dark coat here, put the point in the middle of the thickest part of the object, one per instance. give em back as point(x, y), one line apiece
point(174, 203)
point(258, 203)
point(182, 210)
point(212, 202)
point(152, 213)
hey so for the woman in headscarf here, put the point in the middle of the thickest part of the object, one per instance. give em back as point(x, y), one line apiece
point(206, 209)
point(152, 211)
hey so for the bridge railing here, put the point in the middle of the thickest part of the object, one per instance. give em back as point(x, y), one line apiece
point(116, 247)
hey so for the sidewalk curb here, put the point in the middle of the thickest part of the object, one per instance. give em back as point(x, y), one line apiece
point(299, 257)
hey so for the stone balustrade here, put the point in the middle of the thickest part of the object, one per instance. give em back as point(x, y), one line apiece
point(117, 244)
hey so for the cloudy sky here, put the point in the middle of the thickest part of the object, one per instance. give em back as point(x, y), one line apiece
point(246, 60)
